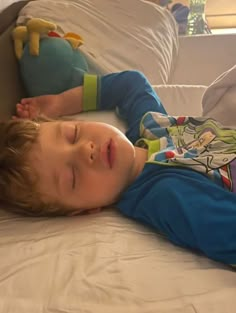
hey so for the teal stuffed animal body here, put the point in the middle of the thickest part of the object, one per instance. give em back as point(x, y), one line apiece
point(58, 67)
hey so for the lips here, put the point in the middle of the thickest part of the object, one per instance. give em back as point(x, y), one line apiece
point(111, 153)
point(108, 154)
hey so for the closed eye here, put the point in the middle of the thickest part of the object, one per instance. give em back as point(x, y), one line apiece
point(75, 134)
point(73, 178)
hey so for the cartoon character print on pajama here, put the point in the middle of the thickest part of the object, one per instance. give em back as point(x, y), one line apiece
point(201, 144)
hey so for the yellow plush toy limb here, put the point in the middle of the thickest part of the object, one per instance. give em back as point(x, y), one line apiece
point(74, 39)
point(36, 28)
point(20, 35)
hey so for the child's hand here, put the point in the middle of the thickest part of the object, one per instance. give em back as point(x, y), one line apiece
point(65, 103)
point(30, 108)
point(27, 109)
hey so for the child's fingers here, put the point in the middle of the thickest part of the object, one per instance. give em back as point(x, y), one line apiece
point(26, 100)
point(27, 108)
point(22, 106)
point(22, 113)
point(19, 108)
point(24, 110)
point(19, 105)
point(14, 117)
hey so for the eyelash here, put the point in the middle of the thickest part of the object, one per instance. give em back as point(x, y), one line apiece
point(73, 169)
point(75, 134)
point(73, 180)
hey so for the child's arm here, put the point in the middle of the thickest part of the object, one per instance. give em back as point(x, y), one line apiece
point(129, 92)
point(132, 95)
point(186, 207)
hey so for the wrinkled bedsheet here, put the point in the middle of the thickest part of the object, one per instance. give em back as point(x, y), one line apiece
point(104, 263)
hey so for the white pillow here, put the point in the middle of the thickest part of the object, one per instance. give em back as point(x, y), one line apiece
point(118, 35)
point(181, 99)
point(219, 100)
point(108, 117)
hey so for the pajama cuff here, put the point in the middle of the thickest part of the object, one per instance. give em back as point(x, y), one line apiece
point(90, 92)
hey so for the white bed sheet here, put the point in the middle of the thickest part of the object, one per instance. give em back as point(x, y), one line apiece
point(107, 263)
point(104, 263)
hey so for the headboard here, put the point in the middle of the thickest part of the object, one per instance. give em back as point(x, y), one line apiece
point(11, 89)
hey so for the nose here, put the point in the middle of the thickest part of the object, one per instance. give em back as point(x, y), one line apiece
point(85, 152)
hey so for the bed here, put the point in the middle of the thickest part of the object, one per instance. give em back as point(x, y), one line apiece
point(106, 262)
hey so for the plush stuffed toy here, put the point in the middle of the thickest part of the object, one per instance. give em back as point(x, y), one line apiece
point(49, 63)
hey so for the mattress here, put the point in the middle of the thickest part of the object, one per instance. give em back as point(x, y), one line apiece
point(103, 262)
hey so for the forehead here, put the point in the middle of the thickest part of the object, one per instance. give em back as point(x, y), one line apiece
point(45, 139)
point(38, 158)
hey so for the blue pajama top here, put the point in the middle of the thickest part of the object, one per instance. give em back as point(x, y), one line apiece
point(186, 190)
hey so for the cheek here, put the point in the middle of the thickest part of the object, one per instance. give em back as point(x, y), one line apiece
point(99, 185)
point(66, 179)
point(96, 180)
point(97, 192)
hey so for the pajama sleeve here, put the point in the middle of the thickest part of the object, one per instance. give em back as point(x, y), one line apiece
point(128, 92)
point(186, 207)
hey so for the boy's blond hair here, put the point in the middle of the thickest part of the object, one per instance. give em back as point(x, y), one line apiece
point(18, 183)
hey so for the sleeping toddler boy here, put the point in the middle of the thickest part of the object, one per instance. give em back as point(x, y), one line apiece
point(175, 174)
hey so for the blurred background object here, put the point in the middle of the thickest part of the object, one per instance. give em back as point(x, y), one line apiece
point(196, 19)
point(180, 13)
point(221, 15)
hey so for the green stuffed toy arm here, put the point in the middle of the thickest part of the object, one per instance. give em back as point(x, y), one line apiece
point(49, 63)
